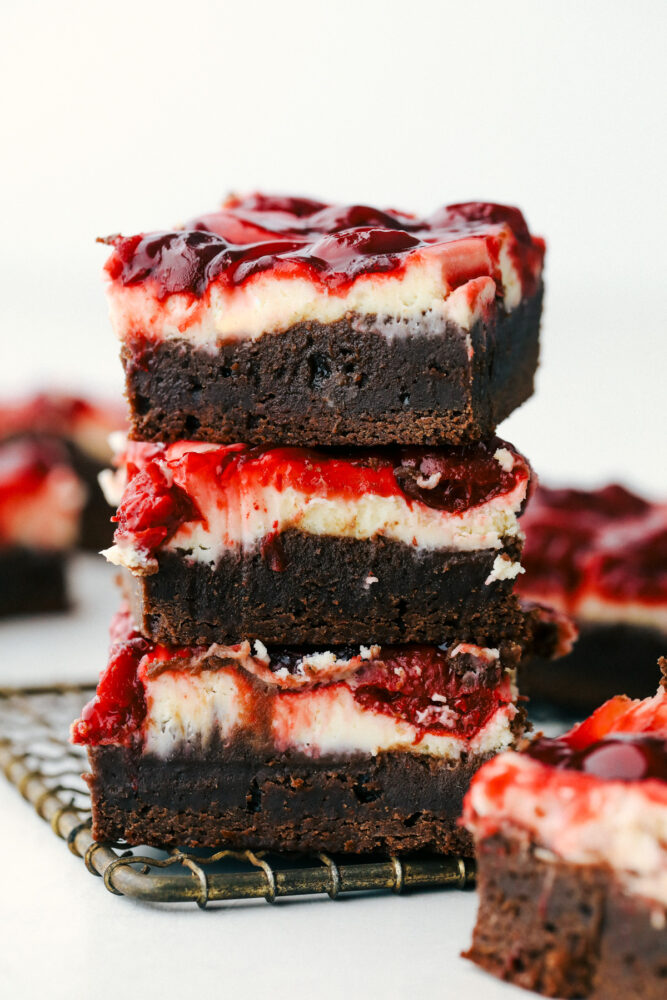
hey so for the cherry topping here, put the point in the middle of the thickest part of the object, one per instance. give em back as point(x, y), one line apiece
point(454, 480)
point(152, 509)
point(618, 757)
point(637, 569)
point(119, 707)
point(25, 465)
point(160, 495)
point(331, 244)
point(420, 685)
point(609, 540)
point(299, 207)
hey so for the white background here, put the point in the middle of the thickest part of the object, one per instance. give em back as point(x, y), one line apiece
point(130, 116)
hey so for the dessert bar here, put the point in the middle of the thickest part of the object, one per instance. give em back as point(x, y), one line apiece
point(291, 321)
point(600, 556)
point(40, 505)
point(571, 841)
point(83, 428)
point(345, 749)
point(291, 545)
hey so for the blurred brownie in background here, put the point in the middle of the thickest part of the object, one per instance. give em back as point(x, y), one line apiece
point(571, 844)
point(82, 427)
point(41, 503)
point(601, 557)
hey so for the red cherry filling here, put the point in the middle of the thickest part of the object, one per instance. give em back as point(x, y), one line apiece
point(116, 712)
point(638, 571)
point(330, 243)
point(25, 464)
point(422, 685)
point(609, 540)
point(152, 509)
point(154, 505)
point(618, 757)
point(454, 480)
point(419, 685)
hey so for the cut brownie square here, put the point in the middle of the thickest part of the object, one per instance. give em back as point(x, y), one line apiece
point(358, 749)
point(601, 557)
point(282, 320)
point(571, 840)
point(40, 505)
point(291, 545)
point(82, 427)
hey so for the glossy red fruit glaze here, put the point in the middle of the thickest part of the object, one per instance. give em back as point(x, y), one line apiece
point(118, 709)
point(153, 509)
point(57, 414)
point(162, 480)
point(328, 244)
point(419, 685)
point(116, 713)
point(620, 757)
point(455, 479)
point(609, 541)
point(24, 464)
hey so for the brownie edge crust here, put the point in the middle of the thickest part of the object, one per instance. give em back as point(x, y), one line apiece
point(340, 383)
point(393, 802)
point(564, 930)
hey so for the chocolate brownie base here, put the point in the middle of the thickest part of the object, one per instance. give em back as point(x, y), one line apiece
point(606, 660)
point(31, 581)
point(564, 930)
point(319, 589)
point(243, 798)
point(633, 950)
point(342, 383)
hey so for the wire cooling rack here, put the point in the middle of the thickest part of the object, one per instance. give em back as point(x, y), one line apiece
point(36, 757)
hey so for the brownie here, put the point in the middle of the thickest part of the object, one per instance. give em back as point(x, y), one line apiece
point(340, 748)
point(32, 581)
point(562, 929)
point(239, 798)
point(318, 588)
point(281, 319)
point(79, 429)
point(342, 383)
point(606, 658)
point(600, 555)
point(572, 861)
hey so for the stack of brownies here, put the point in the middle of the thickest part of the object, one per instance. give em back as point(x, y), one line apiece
point(317, 527)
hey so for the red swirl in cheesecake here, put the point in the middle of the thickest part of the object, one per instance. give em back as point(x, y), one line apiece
point(206, 499)
point(263, 263)
point(597, 795)
point(600, 556)
point(421, 699)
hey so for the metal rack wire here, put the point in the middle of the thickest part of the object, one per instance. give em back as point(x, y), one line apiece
point(36, 757)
